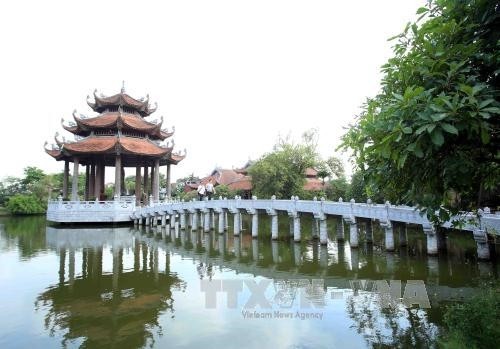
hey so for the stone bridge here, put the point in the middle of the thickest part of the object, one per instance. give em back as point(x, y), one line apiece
point(204, 214)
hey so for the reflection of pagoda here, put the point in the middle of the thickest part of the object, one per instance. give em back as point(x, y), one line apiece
point(121, 137)
point(117, 309)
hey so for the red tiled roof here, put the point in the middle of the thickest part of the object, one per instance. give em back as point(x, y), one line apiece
point(142, 146)
point(93, 145)
point(122, 99)
point(242, 184)
point(112, 119)
point(313, 184)
point(311, 172)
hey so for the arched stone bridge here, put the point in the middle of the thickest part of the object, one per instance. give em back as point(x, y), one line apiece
point(204, 214)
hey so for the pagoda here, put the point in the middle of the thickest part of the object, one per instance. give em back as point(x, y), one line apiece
point(120, 136)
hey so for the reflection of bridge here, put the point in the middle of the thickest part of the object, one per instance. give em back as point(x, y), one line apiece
point(350, 212)
point(337, 265)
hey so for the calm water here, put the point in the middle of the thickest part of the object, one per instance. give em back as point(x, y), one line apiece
point(126, 288)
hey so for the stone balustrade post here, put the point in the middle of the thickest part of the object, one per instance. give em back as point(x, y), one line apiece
point(236, 222)
point(182, 218)
point(483, 249)
point(221, 221)
point(296, 227)
point(274, 219)
point(432, 244)
point(323, 230)
point(255, 219)
point(389, 235)
point(206, 220)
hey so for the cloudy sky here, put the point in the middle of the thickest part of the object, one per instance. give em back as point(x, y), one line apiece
point(230, 75)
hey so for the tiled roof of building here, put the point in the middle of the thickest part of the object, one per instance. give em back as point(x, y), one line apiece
point(110, 144)
point(114, 120)
point(121, 99)
point(311, 172)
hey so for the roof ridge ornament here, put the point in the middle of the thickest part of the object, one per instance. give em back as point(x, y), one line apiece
point(123, 86)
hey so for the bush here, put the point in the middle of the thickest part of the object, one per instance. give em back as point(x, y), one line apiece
point(474, 324)
point(24, 204)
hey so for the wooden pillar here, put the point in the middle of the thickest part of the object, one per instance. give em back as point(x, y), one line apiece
point(146, 191)
point(103, 178)
point(65, 179)
point(138, 191)
point(123, 187)
point(156, 181)
point(92, 182)
point(74, 186)
point(97, 182)
point(151, 180)
point(87, 182)
point(118, 176)
point(169, 185)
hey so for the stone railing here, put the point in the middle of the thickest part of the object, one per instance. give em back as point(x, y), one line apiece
point(350, 212)
point(118, 210)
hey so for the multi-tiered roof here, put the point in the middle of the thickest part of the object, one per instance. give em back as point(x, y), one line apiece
point(120, 128)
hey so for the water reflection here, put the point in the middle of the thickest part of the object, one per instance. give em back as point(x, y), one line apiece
point(107, 309)
point(115, 286)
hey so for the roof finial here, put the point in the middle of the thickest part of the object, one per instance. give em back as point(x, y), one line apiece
point(123, 86)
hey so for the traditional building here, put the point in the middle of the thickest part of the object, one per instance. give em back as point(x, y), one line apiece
point(119, 137)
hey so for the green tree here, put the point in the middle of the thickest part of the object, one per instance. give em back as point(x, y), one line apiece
point(10, 187)
point(32, 176)
point(337, 188)
point(224, 191)
point(24, 204)
point(431, 137)
point(282, 172)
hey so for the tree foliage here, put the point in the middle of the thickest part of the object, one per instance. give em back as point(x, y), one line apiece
point(282, 171)
point(475, 323)
point(431, 137)
point(25, 204)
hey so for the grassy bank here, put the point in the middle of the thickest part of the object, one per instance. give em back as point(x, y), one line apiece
point(4, 212)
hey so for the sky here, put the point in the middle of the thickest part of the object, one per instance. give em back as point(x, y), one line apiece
point(231, 76)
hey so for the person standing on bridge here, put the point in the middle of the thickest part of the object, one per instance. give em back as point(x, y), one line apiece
point(201, 191)
point(210, 189)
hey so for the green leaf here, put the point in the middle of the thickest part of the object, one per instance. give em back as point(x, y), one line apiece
point(485, 103)
point(437, 137)
point(492, 110)
point(422, 10)
point(430, 128)
point(449, 128)
point(485, 136)
point(439, 116)
point(421, 129)
point(407, 130)
point(398, 96)
point(418, 152)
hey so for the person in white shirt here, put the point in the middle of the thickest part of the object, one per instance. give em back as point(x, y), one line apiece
point(210, 189)
point(201, 191)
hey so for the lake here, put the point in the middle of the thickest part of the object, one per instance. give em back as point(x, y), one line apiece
point(126, 287)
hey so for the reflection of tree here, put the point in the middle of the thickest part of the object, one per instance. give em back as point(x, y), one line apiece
point(111, 310)
point(25, 232)
point(393, 327)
